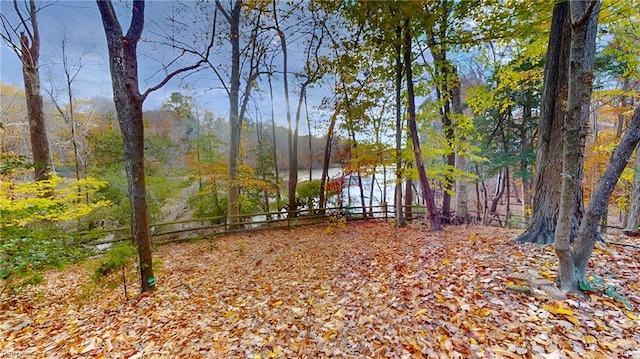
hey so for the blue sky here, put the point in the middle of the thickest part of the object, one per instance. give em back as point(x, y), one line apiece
point(80, 23)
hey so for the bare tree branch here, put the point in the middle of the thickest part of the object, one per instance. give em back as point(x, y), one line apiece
point(586, 14)
point(203, 60)
point(224, 11)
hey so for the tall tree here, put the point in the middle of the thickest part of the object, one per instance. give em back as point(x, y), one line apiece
point(397, 199)
point(238, 99)
point(292, 139)
point(311, 73)
point(70, 72)
point(26, 45)
point(123, 62)
point(424, 182)
point(462, 192)
point(233, 189)
point(547, 184)
point(443, 75)
point(584, 23)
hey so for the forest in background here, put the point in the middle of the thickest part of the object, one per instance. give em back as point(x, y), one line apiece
point(414, 87)
point(180, 148)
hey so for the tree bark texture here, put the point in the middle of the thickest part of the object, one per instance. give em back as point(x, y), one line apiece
point(275, 151)
point(526, 139)
point(547, 180)
point(233, 189)
point(583, 36)
point(424, 182)
point(462, 187)
point(292, 139)
point(326, 160)
point(408, 197)
point(29, 56)
point(400, 219)
point(128, 101)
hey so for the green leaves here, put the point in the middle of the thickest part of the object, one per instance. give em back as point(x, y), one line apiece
point(24, 203)
point(122, 253)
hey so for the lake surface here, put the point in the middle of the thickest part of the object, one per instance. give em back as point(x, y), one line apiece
point(351, 191)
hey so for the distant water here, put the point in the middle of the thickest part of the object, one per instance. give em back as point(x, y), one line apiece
point(351, 192)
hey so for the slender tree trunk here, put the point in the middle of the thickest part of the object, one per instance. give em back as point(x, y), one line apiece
point(524, 164)
point(363, 203)
point(373, 183)
point(326, 160)
point(633, 219)
point(275, 149)
point(479, 206)
point(514, 189)
point(547, 179)
point(128, 101)
point(233, 189)
point(293, 131)
point(295, 137)
point(408, 198)
point(442, 69)
point(588, 232)
point(507, 181)
point(424, 182)
point(623, 105)
point(400, 220)
point(462, 187)
point(306, 112)
point(583, 36)
point(499, 193)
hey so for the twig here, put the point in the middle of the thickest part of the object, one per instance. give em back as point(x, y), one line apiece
point(124, 282)
point(624, 244)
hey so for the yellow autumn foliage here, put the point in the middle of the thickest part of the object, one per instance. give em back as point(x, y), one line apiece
point(24, 203)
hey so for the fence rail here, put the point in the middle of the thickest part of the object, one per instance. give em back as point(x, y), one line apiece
point(186, 229)
point(180, 230)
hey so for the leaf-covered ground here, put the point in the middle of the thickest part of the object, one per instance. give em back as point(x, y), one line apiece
point(364, 291)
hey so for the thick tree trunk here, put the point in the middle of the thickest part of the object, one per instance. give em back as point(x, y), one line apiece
point(128, 101)
point(29, 56)
point(37, 127)
point(424, 182)
point(583, 36)
point(547, 180)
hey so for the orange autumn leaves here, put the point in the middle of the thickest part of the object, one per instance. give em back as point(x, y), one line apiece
point(364, 290)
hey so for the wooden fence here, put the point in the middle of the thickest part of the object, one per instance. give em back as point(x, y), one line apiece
point(188, 229)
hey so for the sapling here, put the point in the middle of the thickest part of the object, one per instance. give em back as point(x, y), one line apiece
point(117, 258)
